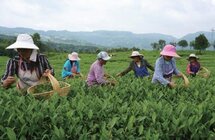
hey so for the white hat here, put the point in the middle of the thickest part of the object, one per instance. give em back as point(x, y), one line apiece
point(23, 41)
point(103, 55)
point(73, 56)
point(135, 53)
point(193, 56)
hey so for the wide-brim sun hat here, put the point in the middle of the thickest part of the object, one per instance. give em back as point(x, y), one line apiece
point(23, 41)
point(192, 56)
point(103, 55)
point(169, 50)
point(135, 53)
point(73, 56)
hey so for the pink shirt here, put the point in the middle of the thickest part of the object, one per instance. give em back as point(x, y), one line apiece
point(96, 74)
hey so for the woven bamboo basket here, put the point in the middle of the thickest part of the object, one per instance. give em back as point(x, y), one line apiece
point(185, 81)
point(204, 72)
point(62, 88)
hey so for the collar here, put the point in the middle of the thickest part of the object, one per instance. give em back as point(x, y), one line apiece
point(33, 56)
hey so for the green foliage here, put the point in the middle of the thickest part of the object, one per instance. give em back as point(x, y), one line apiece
point(183, 43)
point(155, 46)
point(192, 43)
point(201, 42)
point(158, 45)
point(41, 45)
point(5, 41)
point(161, 43)
point(133, 109)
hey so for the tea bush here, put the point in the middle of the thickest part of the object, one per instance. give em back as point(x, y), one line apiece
point(133, 109)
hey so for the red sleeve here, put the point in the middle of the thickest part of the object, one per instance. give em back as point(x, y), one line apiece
point(188, 69)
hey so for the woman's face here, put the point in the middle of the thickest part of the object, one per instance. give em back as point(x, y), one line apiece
point(167, 58)
point(102, 62)
point(136, 59)
point(192, 59)
point(25, 53)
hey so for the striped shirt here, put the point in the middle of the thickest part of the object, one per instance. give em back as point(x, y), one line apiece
point(15, 63)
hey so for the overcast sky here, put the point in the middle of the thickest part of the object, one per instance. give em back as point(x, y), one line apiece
point(173, 17)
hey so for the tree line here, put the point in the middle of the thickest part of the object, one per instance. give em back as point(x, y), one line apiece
point(200, 43)
point(44, 46)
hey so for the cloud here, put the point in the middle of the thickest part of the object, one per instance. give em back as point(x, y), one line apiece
point(176, 18)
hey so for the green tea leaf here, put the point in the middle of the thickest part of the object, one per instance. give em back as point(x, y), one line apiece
point(11, 134)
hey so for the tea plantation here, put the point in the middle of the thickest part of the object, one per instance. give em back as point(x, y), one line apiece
point(133, 109)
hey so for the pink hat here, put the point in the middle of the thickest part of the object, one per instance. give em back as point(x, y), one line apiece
point(73, 56)
point(169, 50)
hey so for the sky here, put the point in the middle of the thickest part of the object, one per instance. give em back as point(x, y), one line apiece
point(172, 17)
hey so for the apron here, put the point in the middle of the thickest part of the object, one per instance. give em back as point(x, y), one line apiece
point(168, 71)
point(194, 67)
point(74, 68)
point(27, 78)
point(141, 71)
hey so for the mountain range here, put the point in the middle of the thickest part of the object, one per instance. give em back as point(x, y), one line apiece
point(103, 38)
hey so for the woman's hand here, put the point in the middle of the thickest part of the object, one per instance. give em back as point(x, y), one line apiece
point(119, 75)
point(107, 75)
point(112, 83)
point(172, 85)
point(47, 71)
point(9, 81)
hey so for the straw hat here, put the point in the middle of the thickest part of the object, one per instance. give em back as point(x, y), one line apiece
point(73, 56)
point(103, 55)
point(192, 56)
point(23, 41)
point(169, 50)
point(135, 53)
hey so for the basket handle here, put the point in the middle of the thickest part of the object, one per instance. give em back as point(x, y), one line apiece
point(207, 71)
point(186, 81)
point(54, 82)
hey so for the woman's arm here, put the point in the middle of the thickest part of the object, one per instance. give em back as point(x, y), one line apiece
point(126, 70)
point(149, 66)
point(8, 77)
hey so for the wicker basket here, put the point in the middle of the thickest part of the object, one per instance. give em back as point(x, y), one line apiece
point(204, 72)
point(62, 91)
point(185, 81)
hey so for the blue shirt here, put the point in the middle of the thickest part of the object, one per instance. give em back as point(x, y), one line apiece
point(67, 68)
point(164, 69)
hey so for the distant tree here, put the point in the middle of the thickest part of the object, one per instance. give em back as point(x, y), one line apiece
point(98, 50)
point(173, 43)
point(192, 44)
point(155, 46)
point(213, 45)
point(201, 43)
point(183, 43)
point(36, 38)
point(161, 43)
point(38, 42)
point(5, 41)
point(135, 49)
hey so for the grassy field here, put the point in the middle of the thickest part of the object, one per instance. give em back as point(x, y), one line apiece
point(133, 109)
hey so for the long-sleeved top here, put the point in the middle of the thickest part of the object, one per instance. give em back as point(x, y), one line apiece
point(40, 65)
point(193, 67)
point(164, 70)
point(70, 67)
point(96, 74)
point(138, 71)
